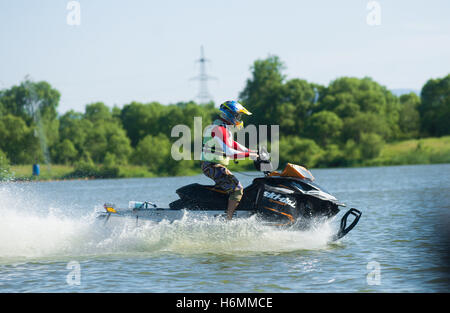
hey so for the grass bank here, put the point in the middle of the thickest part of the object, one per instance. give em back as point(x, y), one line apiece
point(415, 151)
point(68, 172)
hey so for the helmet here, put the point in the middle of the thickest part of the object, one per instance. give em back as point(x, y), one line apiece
point(231, 111)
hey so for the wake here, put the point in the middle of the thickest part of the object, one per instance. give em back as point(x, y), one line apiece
point(30, 228)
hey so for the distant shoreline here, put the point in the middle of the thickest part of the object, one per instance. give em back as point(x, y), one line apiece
point(407, 152)
point(27, 180)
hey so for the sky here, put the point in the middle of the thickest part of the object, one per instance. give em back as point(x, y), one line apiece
point(124, 51)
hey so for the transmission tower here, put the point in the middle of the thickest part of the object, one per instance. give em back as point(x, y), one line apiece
point(203, 94)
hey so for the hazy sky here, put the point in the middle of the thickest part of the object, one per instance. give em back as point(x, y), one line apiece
point(145, 50)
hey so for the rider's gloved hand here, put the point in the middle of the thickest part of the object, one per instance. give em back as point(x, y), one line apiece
point(253, 155)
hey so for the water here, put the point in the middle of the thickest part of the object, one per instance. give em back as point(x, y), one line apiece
point(399, 245)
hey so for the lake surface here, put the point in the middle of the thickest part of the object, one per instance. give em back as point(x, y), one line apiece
point(51, 242)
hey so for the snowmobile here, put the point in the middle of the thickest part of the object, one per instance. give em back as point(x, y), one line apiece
point(287, 199)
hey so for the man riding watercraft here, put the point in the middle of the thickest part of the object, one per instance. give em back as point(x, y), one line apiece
point(289, 198)
point(219, 147)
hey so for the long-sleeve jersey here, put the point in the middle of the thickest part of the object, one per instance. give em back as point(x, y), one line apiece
point(219, 146)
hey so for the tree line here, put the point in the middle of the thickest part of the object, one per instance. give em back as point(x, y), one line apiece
point(341, 124)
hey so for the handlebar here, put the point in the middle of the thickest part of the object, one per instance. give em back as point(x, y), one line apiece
point(262, 162)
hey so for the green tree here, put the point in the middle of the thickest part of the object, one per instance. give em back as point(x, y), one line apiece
point(154, 152)
point(184, 113)
point(409, 121)
point(110, 168)
point(140, 120)
point(352, 152)
point(97, 140)
point(333, 156)
point(370, 145)
point(299, 151)
point(262, 92)
point(98, 112)
point(297, 102)
point(4, 166)
point(64, 152)
point(119, 146)
point(369, 122)
point(28, 98)
point(106, 135)
point(273, 100)
point(434, 108)
point(324, 127)
point(350, 97)
point(74, 127)
point(35, 103)
point(18, 141)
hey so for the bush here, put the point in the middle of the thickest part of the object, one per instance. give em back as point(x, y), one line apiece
point(4, 166)
point(65, 152)
point(370, 145)
point(303, 152)
point(84, 168)
point(89, 169)
point(333, 157)
point(154, 152)
point(434, 108)
point(324, 127)
point(352, 152)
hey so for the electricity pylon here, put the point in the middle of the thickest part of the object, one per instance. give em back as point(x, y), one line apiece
point(203, 95)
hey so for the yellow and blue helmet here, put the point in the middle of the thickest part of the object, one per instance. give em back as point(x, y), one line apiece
point(231, 111)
